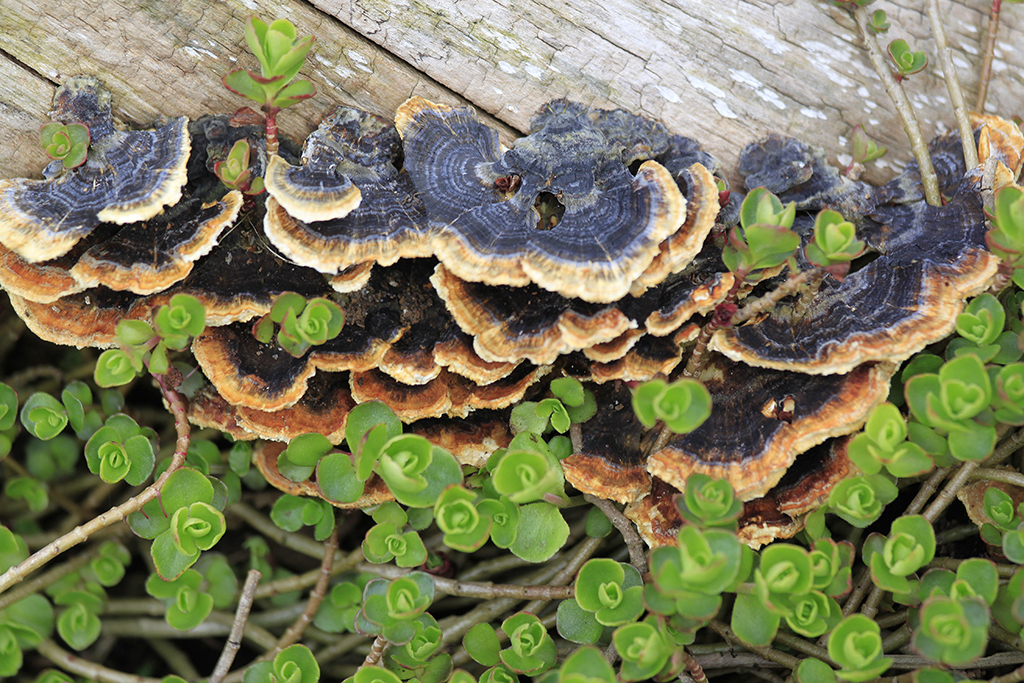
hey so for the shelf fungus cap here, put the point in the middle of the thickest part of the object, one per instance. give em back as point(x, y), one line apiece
point(149, 256)
point(559, 209)
point(762, 419)
point(349, 204)
point(892, 308)
point(128, 177)
point(610, 462)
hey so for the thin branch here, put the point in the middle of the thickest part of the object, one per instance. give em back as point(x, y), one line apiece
point(473, 589)
point(985, 75)
point(693, 668)
point(81, 533)
point(234, 641)
point(903, 108)
point(949, 75)
point(83, 667)
point(948, 493)
point(788, 661)
point(635, 544)
point(376, 651)
point(316, 596)
point(40, 582)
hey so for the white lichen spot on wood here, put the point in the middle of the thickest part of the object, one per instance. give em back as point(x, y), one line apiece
point(745, 78)
point(771, 97)
point(507, 68)
point(722, 107)
point(813, 113)
point(533, 70)
point(669, 94)
point(774, 45)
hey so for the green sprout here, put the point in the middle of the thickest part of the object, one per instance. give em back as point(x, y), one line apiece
point(611, 591)
point(531, 650)
point(883, 444)
point(834, 243)
point(302, 324)
point(645, 649)
point(187, 605)
point(865, 150)
point(43, 416)
point(234, 171)
point(683, 405)
point(1006, 238)
point(690, 577)
point(907, 61)
point(338, 611)
point(294, 664)
point(709, 502)
point(909, 547)
point(182, 522)
point(879, 22)
point(120, 450)
point(528, 471)
point(30, 490)
point(951, 631)
point(291, 513)
point(23, 625)
point(950, 400)
point(385, 541)
point(856, 646)
point(68, 143)
point(79, 624)
point(763, 240)
point(390, 608)
point(281, 55)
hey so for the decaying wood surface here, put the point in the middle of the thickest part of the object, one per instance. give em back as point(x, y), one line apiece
point(722, 72)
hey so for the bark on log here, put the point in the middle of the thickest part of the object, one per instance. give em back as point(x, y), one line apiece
point(724, 73)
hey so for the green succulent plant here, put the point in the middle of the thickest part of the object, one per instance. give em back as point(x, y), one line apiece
point(67, 143)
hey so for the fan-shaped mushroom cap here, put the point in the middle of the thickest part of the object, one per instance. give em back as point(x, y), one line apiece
point(892, 308)
point(611, 461)
point(701, 194)
point(150, 256)
point(762, 419)
point(559, 209)
point(779, 514)
point(384, 222)
point(447, 394)
point(41, 282)
point(510, 324)
point(128, 177)
point(1001, 140)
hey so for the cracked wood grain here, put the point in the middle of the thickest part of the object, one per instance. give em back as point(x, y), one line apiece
point(724, 73)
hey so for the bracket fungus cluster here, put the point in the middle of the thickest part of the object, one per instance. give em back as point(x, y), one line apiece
point(468, 272)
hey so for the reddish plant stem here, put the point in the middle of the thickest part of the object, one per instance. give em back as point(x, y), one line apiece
point(376, 651)
point(271, 128)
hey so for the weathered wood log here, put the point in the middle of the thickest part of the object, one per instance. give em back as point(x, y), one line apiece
point(724, 73)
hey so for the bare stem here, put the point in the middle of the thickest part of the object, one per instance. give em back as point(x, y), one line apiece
point(956, 96)
point(81, 533)
point(635, 544)
point(83, 667)
point(234, 641)
point(903, 108)
point(473, 589)
point(788, 661)
point(376, 651)
point(316, 596)
point(986, 60)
